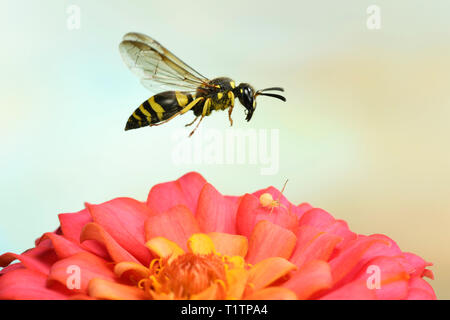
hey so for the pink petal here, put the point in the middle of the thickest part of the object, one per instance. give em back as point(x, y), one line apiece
point(94, 231)
point(319, 248)
point(250, 212)
point(272, 293)
point(38, 259)
point(71, 226)
point(301, 209)
point(25, 284)
point(415, 265)
point(340, 228)
point(90, 266)
point(348, 263)
point(234, 199)
point(177, 224)
point(63, 248)
point(123, 219)
point(185, 191)
point(428, 273)
point(419, 289)
point(104, 289)
point(383, 247)
point(216, 213)
point(356, 290)
point(393, 277)
point(270, 240)
point(419, 294)
point(313, 277)
point(317, 218)
point(305, 235)
point(12, 267)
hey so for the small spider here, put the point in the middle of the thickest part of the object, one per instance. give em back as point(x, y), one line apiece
point(266, 200)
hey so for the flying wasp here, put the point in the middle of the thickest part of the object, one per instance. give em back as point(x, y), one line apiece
point(158, 67)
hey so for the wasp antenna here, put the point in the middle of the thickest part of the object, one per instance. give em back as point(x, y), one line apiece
point(273, 88)
point(273, 96)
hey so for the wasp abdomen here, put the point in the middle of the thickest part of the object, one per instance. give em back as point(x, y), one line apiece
point(158, 108)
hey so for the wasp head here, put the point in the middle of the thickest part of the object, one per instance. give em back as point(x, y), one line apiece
point(247, 97)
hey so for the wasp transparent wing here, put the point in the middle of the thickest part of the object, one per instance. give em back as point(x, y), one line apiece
point(156, 66)
point(159, 85)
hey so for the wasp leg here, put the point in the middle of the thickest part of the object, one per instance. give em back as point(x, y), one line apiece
point(201, 118)
point(231, 97)
point(184, 110)
point(206, 107)
point(190, 124)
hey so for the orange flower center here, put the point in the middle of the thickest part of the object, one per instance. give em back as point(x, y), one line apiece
point(184, 276)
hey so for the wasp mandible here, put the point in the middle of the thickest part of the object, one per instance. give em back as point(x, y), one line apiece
point(155, 65)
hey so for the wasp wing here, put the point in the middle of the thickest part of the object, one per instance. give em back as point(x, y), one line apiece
point(156, 66)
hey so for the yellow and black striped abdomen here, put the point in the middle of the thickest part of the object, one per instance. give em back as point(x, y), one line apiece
point(158, 108)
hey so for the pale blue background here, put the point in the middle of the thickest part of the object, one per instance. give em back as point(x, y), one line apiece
point(364, 133)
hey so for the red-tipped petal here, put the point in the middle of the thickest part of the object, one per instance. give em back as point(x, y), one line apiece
point(177, 224)
point(216, 213)
point(93, 231)
point(85, 265)
point(270, 240)
point(185, 191)
point(313, 277)
point(123, 219)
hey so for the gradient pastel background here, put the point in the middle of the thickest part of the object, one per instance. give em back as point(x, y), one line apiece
point(364, 134)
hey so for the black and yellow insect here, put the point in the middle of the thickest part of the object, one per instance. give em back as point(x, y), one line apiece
point(155, 65)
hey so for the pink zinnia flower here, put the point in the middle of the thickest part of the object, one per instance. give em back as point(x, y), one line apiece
point(188, 241)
